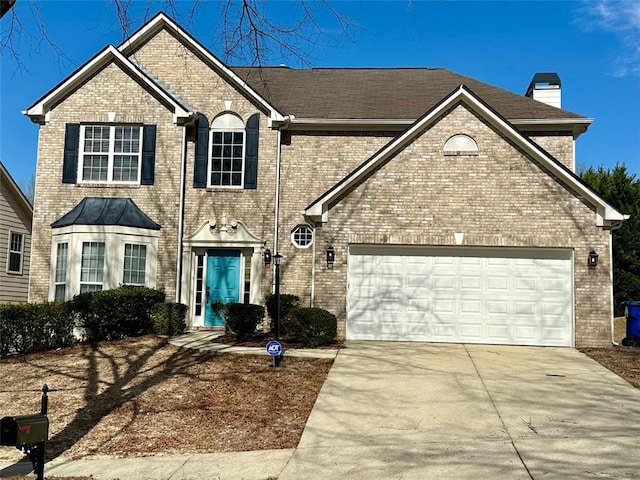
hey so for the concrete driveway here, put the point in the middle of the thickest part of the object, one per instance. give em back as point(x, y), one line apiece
point(428, 411)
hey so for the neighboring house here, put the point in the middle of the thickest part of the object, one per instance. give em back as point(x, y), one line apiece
point(16, 215)
point(414, 204)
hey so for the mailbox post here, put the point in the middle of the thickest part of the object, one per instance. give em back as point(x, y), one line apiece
point(28, 433)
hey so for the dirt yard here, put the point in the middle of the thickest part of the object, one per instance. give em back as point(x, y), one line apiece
point(144, 396)
point(624, 361)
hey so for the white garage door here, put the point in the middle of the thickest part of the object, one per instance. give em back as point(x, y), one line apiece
point(461, 295)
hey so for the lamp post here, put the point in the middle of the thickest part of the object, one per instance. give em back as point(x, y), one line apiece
point(277, 260)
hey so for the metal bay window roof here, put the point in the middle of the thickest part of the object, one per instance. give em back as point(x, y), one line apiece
point(107, 211)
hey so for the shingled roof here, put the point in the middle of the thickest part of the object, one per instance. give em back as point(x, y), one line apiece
point(380, 93)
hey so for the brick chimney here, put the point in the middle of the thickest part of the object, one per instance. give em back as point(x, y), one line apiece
point(546, 88)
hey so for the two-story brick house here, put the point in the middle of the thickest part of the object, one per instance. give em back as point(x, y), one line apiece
point(415, 204)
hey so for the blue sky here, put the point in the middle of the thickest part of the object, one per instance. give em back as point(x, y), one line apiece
point(594, 46)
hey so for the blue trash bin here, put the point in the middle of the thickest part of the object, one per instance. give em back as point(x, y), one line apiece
point(632, 314)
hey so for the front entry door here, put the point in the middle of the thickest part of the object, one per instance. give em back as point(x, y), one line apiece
point(223, 282)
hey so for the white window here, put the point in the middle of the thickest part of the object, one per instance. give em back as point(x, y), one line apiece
point(61, 272)
point(226, 159)
point(92, 267)
point(92, 258)
point(110, 153)
point(302, 236)
point(135, 260)
point(460, 143)
point(16, 246)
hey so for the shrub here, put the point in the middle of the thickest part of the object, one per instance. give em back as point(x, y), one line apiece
point(287, 302)
point(242, 319)
point(311, 326)
point(32, 327)
point(121, 312)
point(169, 318)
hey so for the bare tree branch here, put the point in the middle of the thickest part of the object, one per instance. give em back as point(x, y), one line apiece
point(248, 32)
point(36, 35)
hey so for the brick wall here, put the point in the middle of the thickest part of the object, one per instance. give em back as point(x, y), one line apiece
point(498, 197)
point(560, 146)
point(111, 90)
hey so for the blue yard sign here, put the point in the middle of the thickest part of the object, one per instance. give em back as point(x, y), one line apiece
point(274, 348)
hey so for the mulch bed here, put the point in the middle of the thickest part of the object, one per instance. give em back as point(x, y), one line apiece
point(623, 361)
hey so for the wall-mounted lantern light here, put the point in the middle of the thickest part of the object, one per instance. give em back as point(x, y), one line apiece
point(592, 261)
point(267, 257)
point(331, 256)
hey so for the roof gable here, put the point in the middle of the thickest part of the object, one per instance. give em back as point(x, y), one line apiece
point(318, 210)
point(12, 187)
point(39, 110)
point(162, 22)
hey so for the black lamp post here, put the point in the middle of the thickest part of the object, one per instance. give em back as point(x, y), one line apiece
point(277, 260)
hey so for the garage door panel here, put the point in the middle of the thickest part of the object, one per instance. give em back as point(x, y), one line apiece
point(499, 333)
point(461, 295)
point(471, 332)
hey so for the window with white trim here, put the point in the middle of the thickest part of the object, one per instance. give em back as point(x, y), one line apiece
point(110, 153)
point(135, 261)
point(92, 258)
point(460, 143)
point(16, 248)
point(92, 267)
point(302, 236)
point(226, 159)
point(60, 280)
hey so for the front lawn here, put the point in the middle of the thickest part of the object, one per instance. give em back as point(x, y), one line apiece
point(144, 396)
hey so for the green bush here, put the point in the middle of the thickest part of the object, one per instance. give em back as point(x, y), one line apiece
point(169, 318)
point(242, 319)
point(33, 327)
point(287, 302)
point(310, 326)
point(118, 313)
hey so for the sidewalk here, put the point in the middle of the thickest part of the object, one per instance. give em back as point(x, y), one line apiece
point(204, 341)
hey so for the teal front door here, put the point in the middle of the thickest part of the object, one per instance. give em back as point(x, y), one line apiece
point(223, 282)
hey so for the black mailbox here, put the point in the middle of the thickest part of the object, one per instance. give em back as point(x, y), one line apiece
point(23, 430)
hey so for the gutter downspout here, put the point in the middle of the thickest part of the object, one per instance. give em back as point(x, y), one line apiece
point(183, 167)
point(276, 216)
point(613, 307)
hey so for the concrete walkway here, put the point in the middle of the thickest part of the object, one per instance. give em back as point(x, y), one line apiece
point(205, 342)
point(430, 411)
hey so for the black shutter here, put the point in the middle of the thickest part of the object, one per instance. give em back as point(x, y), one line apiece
point(251, 153)
point(148, 154)
point(70, 162)
point(202, 152)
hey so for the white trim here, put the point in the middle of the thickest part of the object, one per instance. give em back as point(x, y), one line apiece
point(110, 154)
point(110, 54)
point(161, 20)
point(576, 126)
point(318, 210)
point(226, 129)
point(293, 233)
point(114, 238)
